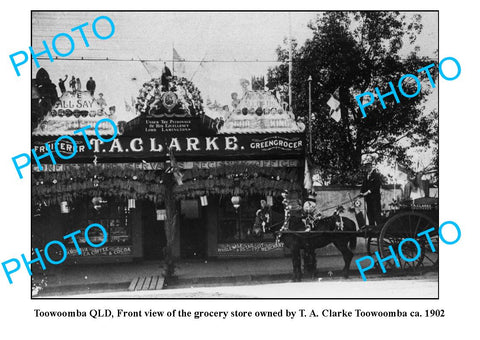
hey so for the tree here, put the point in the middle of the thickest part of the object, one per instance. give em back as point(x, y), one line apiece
point(355, 52)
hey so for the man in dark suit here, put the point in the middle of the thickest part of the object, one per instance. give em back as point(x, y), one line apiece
point(91, 86)
point(166, 77)
point(61, 84)
point(371, 192)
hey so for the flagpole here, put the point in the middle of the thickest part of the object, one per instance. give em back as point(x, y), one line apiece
point(310, 112)
point(173, 59)
point(395, 181)
point(290, 61)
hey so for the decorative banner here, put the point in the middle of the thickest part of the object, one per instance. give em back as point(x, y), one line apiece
point(259, 111)
point(220, 147)
point(73, 111)
point(76, 102)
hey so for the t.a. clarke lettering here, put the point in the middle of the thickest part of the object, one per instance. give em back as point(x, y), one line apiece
point(147, 146)
point(178, 144)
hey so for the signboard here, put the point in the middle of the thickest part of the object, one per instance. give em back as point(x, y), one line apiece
point(208, 147)
point(240, 248)
point(101, 251)
point(272, 163)
point(78, 101)
point(168, 125)
point(73, 111)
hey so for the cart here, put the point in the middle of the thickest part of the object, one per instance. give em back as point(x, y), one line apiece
point(405, 221)
point(402, 222)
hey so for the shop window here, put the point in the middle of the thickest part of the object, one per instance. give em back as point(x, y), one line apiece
point(235, 225)
point(113, 215)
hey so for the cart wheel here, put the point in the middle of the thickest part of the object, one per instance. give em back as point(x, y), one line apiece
point(372, 247)
point(408, 225)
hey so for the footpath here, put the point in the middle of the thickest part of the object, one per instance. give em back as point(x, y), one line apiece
point(95, 278)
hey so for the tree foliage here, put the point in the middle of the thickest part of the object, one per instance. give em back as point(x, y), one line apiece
point(355, 52)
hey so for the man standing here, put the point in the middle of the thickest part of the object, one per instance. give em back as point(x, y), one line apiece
point(371, 192)
point(73, 84)
point(91, 86)
point(79, 84)
point(61, 84)
point(166, 77)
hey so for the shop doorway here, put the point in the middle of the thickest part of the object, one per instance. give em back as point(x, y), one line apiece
point(153, 233)
point(193, 236)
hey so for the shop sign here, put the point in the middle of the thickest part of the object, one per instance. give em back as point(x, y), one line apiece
point(103, 166)
point(214, 146)
point(102, 251)
point(152, 166)
point(247, 247)
point(169, 125)
point(273, 163)
point(275, 143)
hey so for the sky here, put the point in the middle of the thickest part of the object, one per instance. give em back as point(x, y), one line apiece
point(231, 45)
point(215, 35)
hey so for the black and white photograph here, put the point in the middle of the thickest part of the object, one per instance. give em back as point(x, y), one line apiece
point(238, 170)
point(228, 149)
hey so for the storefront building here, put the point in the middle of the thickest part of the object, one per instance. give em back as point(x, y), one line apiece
point(223, 168)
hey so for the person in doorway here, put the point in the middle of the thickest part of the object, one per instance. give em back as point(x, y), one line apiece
point(371, 193)
point(263, 215)
point(61, 84)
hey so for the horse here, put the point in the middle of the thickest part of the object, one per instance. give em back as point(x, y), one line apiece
point(308, 242)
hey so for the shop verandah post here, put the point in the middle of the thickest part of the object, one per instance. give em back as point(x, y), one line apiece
point(171, 176)
point(171, 224)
